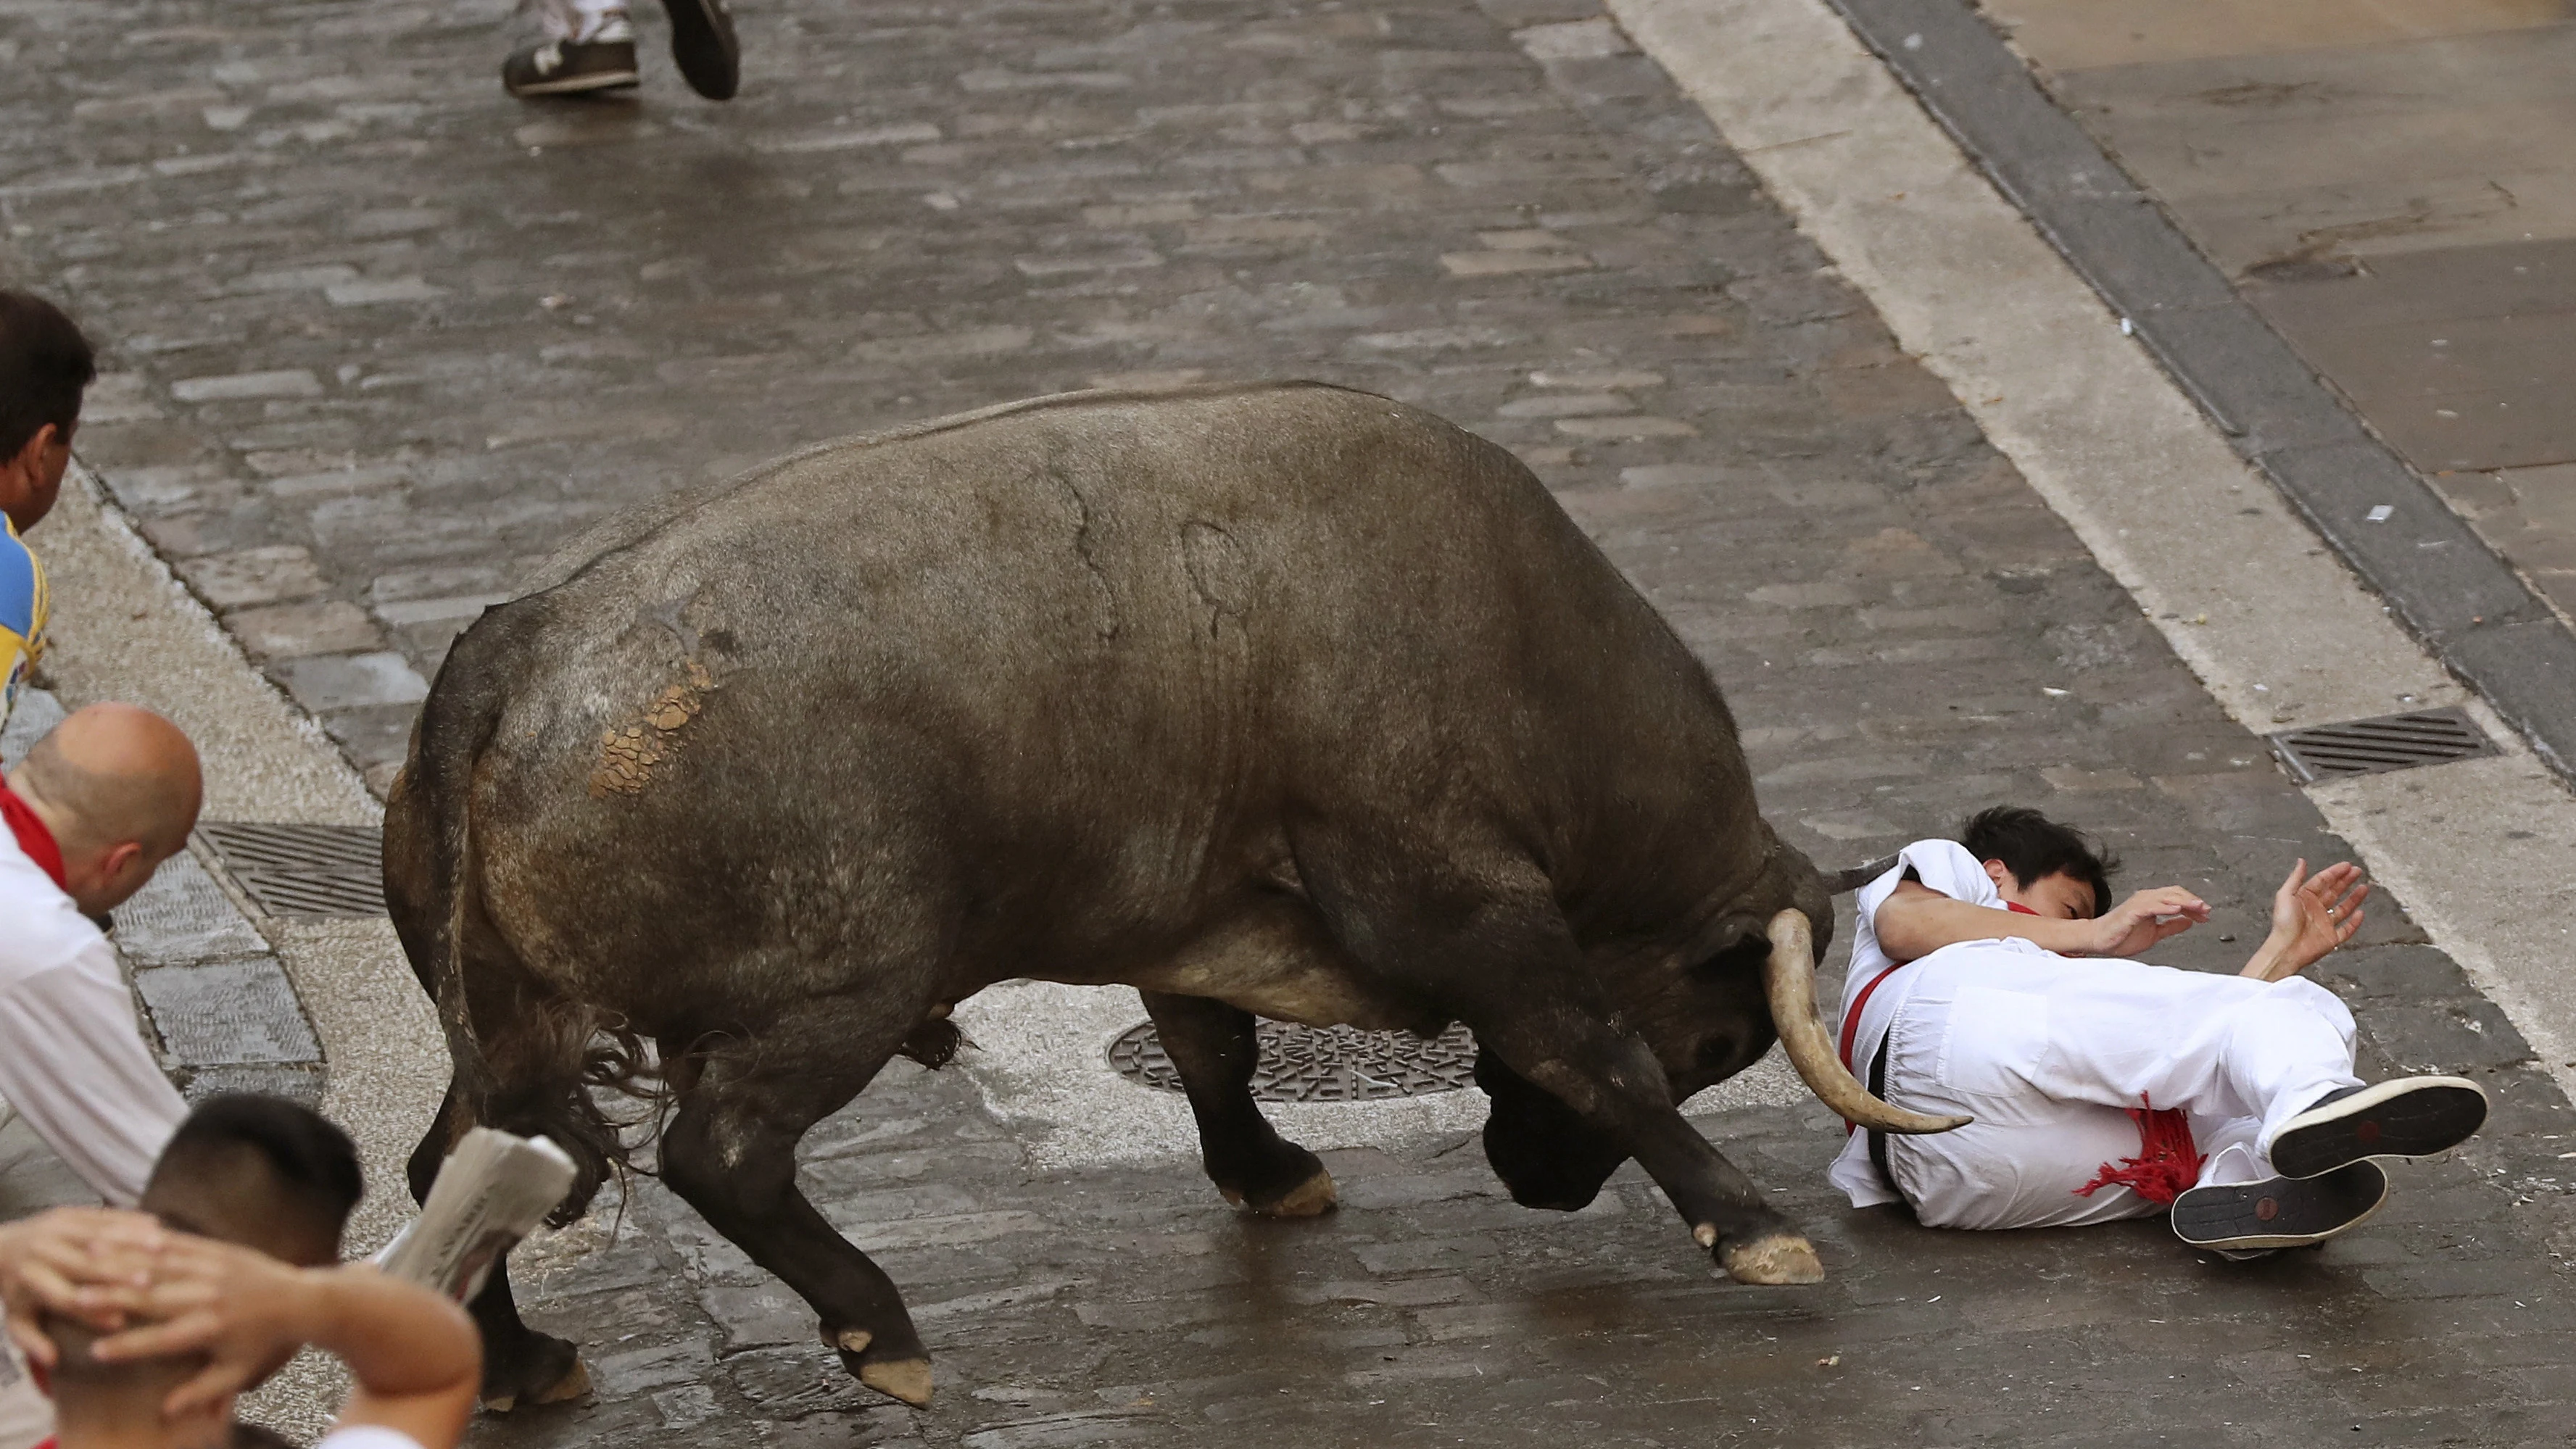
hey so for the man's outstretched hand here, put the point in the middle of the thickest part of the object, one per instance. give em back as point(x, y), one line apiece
point(2311, 915)
point(2145, 918)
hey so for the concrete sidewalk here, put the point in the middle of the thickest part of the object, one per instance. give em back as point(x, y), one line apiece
point(381, 335)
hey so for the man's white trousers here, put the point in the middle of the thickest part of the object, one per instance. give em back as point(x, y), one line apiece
point(2049, 1053)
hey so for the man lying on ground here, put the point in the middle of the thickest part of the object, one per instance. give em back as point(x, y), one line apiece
point(2104, 1088)
point(147, 1335)
point(256, 1171)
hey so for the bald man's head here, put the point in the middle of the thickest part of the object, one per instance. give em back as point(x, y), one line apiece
point(119, 788)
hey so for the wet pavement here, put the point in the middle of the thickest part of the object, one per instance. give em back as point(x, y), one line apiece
point(380, 336)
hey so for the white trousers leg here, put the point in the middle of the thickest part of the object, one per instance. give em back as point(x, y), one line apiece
point(2048, 1053)
point(584, 20)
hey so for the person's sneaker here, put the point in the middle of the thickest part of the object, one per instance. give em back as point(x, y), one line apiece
point(2405, 1117)
point(703, 45)
point(569, 67)
point(2279, 1212)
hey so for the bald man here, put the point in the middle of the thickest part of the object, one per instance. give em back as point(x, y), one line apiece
point(97, 806)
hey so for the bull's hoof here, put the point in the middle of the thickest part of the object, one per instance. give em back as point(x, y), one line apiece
point(1780, 1258)
point(1283, 1181)
point(1309, 1199)
point(545, 1380)
point(907, 1379)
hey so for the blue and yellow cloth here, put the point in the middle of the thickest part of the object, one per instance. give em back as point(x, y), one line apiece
point(24, 604)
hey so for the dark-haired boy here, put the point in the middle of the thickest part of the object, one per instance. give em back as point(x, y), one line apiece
point(45, 364)
point(261, 1172)
point(149, 1334)
point(2104, 1088)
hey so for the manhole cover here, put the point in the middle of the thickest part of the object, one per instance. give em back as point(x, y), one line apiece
point(303, 870)
point(2370, 746)
point(1323, 1064)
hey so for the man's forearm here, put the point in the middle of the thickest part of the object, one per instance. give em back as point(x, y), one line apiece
point(396, 1337)
point(1909, 927)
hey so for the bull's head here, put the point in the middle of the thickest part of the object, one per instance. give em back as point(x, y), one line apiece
point(1706, 1012)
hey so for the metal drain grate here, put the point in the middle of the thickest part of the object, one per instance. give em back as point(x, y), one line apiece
point(1322, 1064)
point(2371, 746)
point(303, 870)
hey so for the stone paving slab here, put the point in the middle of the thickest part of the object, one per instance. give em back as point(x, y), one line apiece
point(382, 336)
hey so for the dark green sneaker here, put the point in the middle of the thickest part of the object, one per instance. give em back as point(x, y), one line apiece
point(2403, 1117)
point(569, 67)
point(2280, 1212)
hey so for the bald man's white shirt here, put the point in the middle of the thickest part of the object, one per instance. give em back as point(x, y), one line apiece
point(72, 1058)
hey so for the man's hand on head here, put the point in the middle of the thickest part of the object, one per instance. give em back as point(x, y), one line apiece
point(75, 1263)
point(2145, 918)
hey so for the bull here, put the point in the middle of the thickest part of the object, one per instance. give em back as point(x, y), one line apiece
point(1278, 701)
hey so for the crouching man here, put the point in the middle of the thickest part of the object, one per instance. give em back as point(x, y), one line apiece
point(1986, 981)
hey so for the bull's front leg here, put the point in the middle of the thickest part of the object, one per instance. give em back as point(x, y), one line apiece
point(1213, 1047)
point(1612, 1084)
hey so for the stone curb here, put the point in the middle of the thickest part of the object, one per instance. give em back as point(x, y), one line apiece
point(212, 993)
point(2454, 593)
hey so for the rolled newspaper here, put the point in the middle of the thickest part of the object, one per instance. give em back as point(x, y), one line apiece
point(492, 1191)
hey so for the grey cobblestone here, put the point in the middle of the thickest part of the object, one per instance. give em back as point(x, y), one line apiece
point(1500, 212)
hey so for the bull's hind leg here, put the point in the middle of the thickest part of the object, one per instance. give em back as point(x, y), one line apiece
point(1213, 1047)
point(730, 1150)
point(520, 1365)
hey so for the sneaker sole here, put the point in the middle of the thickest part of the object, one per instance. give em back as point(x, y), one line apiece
point(2280, 1212)
point(613, 80)
point(2405, 1117)
point(703, 46)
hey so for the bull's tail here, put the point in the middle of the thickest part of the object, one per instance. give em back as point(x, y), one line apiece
point(526, 1056)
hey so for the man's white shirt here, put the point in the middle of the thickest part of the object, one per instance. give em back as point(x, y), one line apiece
point(72, 1058)
point(1940, 865)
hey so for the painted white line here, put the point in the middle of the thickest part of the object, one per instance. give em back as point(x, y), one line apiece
point(2249, 597)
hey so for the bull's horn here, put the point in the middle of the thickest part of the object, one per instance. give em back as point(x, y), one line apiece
point(1789, 978)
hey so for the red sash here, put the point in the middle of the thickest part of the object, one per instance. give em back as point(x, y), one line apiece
point(33, 837)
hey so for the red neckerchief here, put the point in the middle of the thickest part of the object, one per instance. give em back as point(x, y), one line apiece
point(2018, 906)
point(33, 837)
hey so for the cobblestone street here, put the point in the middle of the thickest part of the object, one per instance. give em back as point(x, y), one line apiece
point(380, 336)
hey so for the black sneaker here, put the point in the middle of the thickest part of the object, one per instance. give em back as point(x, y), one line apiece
point(2280, 1212)
point(2405, 1117)
point(569, 67)
point(702, 43)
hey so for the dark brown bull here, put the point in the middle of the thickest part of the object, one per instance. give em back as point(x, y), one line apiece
point(1281, 701)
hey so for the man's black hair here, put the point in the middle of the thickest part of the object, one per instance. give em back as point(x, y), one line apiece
point(313, 1160)
point(2034, 847)
point(44, 364)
